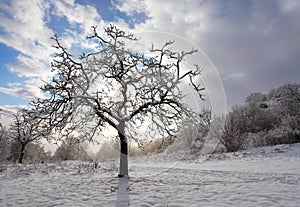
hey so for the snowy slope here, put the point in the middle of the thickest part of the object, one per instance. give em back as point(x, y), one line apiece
point(267, 176)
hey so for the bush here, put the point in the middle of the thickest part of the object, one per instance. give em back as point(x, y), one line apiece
point(264, 119)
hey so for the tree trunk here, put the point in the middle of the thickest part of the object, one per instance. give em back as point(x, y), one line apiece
point(123, 170)
point(22, 154)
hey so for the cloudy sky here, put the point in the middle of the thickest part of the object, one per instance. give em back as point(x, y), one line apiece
point(253, 44)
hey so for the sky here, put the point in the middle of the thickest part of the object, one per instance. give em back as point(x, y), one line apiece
point(253, 45)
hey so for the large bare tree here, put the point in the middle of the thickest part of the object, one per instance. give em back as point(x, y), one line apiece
point(119, 88)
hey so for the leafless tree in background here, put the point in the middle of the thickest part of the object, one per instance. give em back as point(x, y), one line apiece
point(25, 129)
point(71, 149)
point(4, 144)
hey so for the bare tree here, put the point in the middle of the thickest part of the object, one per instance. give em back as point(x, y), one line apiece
point(71, 149)
point(233, 135)
point(118, 88)
point(1, 129)
point(192, 133)
point(25, 129)
point(4, 144)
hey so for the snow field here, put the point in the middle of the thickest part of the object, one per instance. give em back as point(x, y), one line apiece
point(267, 176)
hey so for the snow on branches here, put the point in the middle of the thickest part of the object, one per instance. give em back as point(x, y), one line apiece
point(117, 87)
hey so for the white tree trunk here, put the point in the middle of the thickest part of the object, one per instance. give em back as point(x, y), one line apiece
point(123, 170)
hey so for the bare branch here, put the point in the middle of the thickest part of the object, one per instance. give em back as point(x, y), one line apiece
point(115, 86)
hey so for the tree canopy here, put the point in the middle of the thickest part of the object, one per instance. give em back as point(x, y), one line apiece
point(119, 88)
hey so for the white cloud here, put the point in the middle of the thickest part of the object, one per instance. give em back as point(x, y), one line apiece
point(290, 6)
point(255, 38)
point(26, 91)
point(29, 67)
point(8, 110)
point(131, 7)
point(80, 18)
point(24, 28)
point(235, 77)
point(247, 41)
point(168, 16)
point(85, 16)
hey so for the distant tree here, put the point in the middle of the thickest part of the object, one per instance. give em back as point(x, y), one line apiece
point(287, 99)
point(108, 150)
point(5, 145)
point(259, 117)
point(26, 128)
point(254, 117)
point(192, 133)
point(214, 136)
point(200, 128)
point(151, 147)
point(277, 119)
point(71, 149)
point(118, 88)
point(33, 153)
point(255, 98)
point(264, 119)
point(232, 137)
point(2, 129)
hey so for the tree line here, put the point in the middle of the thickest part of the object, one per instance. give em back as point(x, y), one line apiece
point(17, 149)
point(263, 120)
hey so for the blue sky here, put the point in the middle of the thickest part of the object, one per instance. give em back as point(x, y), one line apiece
point(254, 45)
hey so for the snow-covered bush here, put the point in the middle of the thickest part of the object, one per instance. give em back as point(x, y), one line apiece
point(265, 119)
point(213, 140)
point(257, 139)
point(151, 147)
point(36, 153)
point(71, 149)
point(192, 134)
point(233, 137)
point(108, 150)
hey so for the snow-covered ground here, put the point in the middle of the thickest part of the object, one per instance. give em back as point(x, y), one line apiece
point(267, 176)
